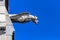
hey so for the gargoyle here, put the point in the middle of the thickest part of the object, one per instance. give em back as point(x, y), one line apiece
point(23, 17)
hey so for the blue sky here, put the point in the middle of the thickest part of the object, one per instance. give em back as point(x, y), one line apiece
point(48, 15)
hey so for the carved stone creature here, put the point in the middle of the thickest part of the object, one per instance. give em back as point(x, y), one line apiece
point(23, 17)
